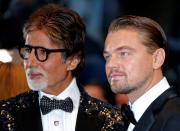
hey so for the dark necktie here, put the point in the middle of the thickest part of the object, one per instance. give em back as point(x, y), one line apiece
point(47, 105)
point(128, 115)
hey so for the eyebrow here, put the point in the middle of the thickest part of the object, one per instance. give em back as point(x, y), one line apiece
point(27, 44)
point(120, 48)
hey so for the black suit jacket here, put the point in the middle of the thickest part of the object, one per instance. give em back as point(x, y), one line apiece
point(162, 115)
point(22, 113)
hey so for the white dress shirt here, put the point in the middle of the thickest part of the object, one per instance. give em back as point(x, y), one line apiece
point(59, 120)
point(142, 103)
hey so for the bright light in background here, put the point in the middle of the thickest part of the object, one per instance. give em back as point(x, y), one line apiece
point(5, 56)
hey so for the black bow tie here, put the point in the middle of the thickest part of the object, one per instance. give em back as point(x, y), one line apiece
point(47, 105)
point(128, 115)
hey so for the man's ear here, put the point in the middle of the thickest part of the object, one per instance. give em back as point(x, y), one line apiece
point(158, 58)
point(72, 63)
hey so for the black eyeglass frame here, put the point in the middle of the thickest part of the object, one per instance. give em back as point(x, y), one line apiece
point(48, 51)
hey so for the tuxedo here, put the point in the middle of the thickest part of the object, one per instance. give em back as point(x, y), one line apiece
point(22, 113)
point(162, 115)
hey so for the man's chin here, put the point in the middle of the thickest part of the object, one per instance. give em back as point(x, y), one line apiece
point(117, 89)
point(38, 86)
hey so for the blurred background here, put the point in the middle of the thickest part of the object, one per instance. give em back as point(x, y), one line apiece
point(97, 15)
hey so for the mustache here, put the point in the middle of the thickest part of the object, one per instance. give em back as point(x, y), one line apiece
point(35, 70)
point(116, 72)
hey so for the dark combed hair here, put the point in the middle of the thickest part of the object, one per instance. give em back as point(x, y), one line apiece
point(154, 35)
point(63, 26)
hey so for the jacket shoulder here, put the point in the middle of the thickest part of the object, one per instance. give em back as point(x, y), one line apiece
point(18, 102)
point(10, 106)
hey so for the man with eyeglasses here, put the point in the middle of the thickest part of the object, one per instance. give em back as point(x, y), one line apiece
point(53, 56)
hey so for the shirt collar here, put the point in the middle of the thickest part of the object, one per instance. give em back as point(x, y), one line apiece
point(142, 103)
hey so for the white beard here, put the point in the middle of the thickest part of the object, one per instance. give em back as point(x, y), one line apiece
point(40, 84)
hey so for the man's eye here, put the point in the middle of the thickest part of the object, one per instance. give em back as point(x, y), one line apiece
point(27, 50)
point(42, 51)
point(106, 57)
point(124, 53)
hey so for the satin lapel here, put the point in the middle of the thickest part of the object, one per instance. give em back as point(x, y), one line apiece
point(145, 122)
point(148, 118)
point(29, 118)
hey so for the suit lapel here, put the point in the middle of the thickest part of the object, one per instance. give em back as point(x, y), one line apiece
point(148, 118)
point(145, 121)
point(85, 121)
point(30, 118)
